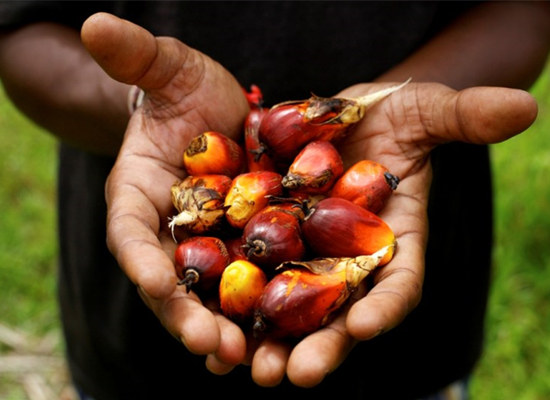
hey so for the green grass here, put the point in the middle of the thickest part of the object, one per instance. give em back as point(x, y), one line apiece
point(28, 248)
point(516, 364)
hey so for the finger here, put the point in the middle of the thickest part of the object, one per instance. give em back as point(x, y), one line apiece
point(232, 348)
point(184, 316)
point(179, 80)
point(133, 242)
point(217, 366)
point(269, 363)
point(319, 354)
point(131, 54)
point(151, 270)
point(133, 227)
point(477, 115)
point(134, 237)
point(397, 291)
point(398, 285)
point(148, 266)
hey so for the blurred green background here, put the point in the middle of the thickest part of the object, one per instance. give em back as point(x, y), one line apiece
point(516, 364)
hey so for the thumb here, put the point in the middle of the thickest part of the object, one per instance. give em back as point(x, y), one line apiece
point(478, 115)
point(130, 53)
point(182, 80)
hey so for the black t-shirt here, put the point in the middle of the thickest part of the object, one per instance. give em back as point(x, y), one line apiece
point(116, 347)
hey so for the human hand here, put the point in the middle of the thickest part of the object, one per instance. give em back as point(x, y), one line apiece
point(187, 94)
point(399, 133)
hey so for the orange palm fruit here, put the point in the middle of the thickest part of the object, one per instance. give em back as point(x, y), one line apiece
point(199, 201)
point(306, 295)
point(336, 227)
point(315, 169)
point(249, 193)
point(214, 153)
point(200, 262)
point(366, 183)
point(241, 284)
point(288, 126)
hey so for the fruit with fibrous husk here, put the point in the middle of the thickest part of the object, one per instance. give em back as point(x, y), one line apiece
point(315, 169)
point(199, 201)
point(248, 194)
point(241, 285)
point(214, 153)
point(306, 295)
point(273, 236)
point(200, 262)
point(290, 125)
point(336, 227)
point(366, 183)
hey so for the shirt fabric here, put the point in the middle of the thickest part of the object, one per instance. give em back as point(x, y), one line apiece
point(116, 347)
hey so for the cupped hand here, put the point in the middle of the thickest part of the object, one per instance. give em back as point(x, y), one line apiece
point(187, 93)
point(400, 133)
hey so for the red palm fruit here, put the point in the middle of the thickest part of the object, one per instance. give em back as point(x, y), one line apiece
point(248, 194)
point(366, 183)
point(336, 227)
point(235, 247)
point(254, 97)
point(297, 302)
point(214, 153)
point(199, 201)
point(288, 126)
point(306, 295)
point(241, 284)
point(284, 132)
point(200, 261)
point(257, 156)
point(273, 236)
point(315, 169)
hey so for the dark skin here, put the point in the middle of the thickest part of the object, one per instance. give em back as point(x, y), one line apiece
point(399, 132)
